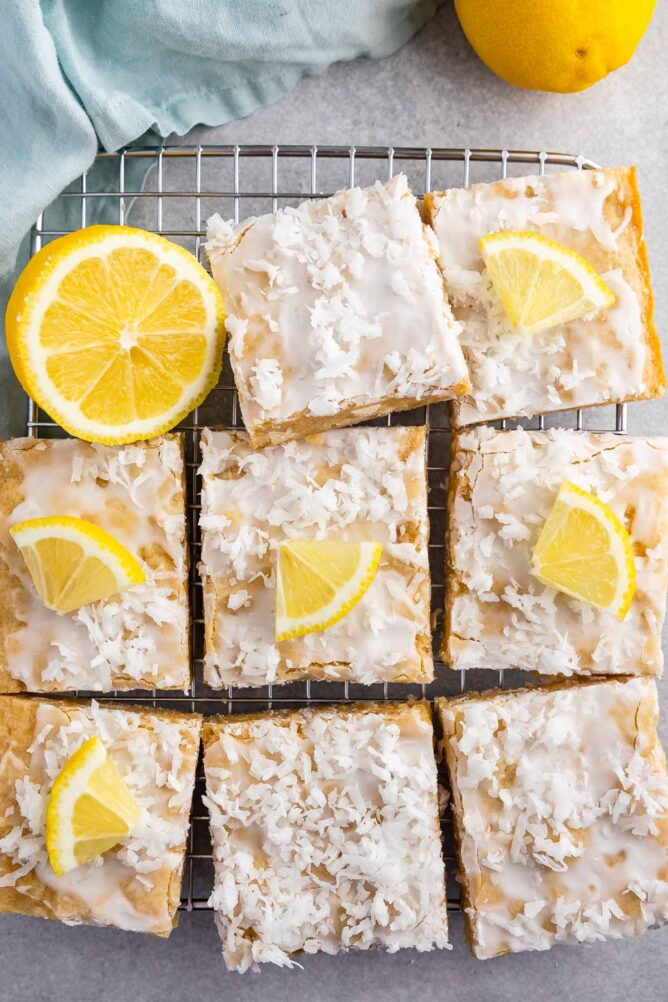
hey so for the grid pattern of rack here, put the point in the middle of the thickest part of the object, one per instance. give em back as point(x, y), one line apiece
point(172, 190)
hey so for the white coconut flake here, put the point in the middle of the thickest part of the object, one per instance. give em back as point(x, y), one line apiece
point(266, 380)
point(238, 600)
point(236, 327)
point(220, 232)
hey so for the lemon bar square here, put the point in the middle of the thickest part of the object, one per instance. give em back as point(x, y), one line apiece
point(336, 312)
point(134, 886)
point(325, 830)
point(560, 803)
point(503, 485)
point(610, 357)
point(352, 484)
point(137, 639)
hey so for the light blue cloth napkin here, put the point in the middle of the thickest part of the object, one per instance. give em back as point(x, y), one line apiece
point(75, 72)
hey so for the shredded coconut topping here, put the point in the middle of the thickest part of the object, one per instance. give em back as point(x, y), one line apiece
point(561, 800)
point(317, 297)
point(594, 360)
point(326, 833)
point(133, 886)
point(364, 484)
point(266, 381)
point(503, 486)
point(136, 639)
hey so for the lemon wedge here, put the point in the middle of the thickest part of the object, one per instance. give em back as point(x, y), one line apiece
point(585, 551)
point(116, 332)
point(541, 283)
point(90, 809)
point(319, 581)
point(73, 562)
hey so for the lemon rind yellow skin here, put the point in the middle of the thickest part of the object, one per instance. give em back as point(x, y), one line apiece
point(553, 47)
point(544, 248)
point(34, 529)
point(25, 297)
point(362, 588)
point(91, 756)
point(625, 595)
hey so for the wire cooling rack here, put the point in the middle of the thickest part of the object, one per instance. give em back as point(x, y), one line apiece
point(172, 190)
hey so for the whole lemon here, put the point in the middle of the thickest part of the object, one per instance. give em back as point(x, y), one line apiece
point(557, 45)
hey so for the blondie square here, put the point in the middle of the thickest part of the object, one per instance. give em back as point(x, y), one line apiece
point(134, 886)
point(336, 312)
point(326, 835)
point(137, 639)
point(560, 801)
point(502, 487)
point(612, 356)
point(353, 484)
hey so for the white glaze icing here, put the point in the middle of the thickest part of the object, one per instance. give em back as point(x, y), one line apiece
point(326, 834)
point(366, 483)
point(562, 803)
point(593, 360)
point(333, 304)
point(505, 485)
point(139, 638)
point(158, 766)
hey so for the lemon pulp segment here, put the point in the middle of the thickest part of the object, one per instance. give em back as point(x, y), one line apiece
point(73, 562)
point(541, 283)
point(585, 551)
point(90, 809)
point(319, 581)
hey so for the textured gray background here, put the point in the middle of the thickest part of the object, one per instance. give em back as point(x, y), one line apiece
point(432, 92)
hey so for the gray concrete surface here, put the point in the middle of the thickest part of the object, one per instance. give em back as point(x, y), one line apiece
point(432, 92)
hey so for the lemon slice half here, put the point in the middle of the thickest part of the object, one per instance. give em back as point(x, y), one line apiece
point(90, 809)
point(541, 283)
point(116, 332)
point(585, 551)
point(73, 562)
point(319, 581)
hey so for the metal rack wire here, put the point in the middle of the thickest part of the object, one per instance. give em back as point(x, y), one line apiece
point(171, 190)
